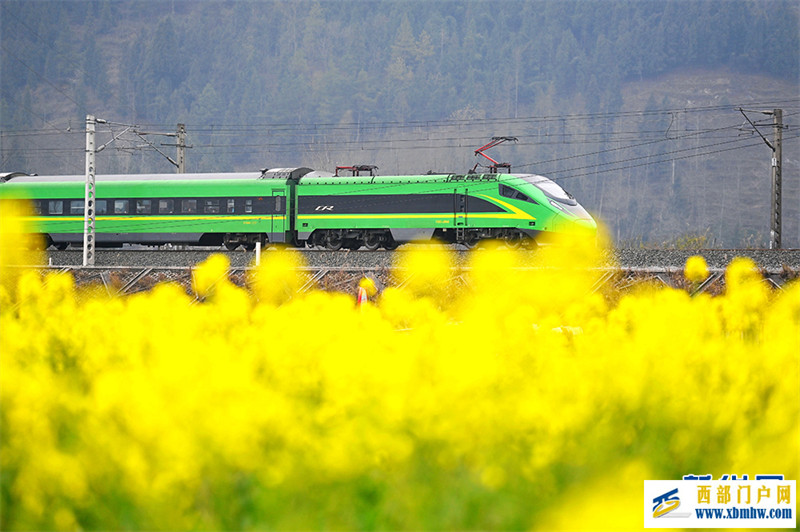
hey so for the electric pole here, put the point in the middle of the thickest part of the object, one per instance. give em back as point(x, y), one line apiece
point(777, 156)
point(89, 196)
point(181, 148)
point(180, 143)
point(777, 160)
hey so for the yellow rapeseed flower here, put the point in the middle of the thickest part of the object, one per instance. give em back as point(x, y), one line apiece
point(696, 269)
point(209, 273)
point(517, 397)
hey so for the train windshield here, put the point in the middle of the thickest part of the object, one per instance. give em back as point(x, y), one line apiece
point(551, 189)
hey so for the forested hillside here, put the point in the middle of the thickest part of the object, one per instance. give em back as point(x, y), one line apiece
point(632, 105)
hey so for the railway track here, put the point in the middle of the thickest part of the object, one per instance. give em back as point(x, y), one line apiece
point(132, 270)
point(770, 261)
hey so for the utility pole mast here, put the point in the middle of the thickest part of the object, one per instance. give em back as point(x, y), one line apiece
point(777, 159)
point(89, 196)
point(181, 148)
point(776, 163)
point(180, 135)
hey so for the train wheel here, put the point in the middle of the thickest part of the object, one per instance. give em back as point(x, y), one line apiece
point(372, 241)
point(334, 242)
point(512, 240)
point(471, 241)
point(230, 242)
point(389, 242)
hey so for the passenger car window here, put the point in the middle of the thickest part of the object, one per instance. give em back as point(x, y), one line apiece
point(76, 207)
point(211, 206)
point(55, 207)
point(166, 206)
point(143, 206)
point(101, 207)
point(231, 206)
point(189, 206)
point(120, 206)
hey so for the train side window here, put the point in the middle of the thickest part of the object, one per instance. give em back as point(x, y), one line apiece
point(37, 207)
point(248, 206)
point(76, 207)
point(523, 197)
point(260, 206)
point(189, 206)
point(55, 207)
point(166, 206)
point(211, 206)
point(101, 207)
point(144, 206)
point(121, 206)
point(231, 206)
point(507, 192)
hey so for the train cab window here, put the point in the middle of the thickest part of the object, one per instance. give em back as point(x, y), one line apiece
point(144, 206)
point(523, 197)
point(101, 207)
point(55, 207)
point(509, 192)
point(248, 206)
point(189, 206)
point(211, 206)
point(231, 206)
point(166, 206)
point(76, 207)
point(121, 206)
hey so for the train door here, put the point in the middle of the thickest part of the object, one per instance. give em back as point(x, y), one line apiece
point(460, 200)
point(279, 222)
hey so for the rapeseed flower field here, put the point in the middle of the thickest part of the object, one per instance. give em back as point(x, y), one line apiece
point(504, 398)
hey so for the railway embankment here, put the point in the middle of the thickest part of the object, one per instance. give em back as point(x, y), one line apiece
point(772, 261)
point(131, 270)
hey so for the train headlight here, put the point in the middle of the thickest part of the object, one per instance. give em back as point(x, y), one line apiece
point(557, 206)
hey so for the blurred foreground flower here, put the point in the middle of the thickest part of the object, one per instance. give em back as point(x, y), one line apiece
point(276, 280)
point(209, 273)
point(432, 409)
point(18, 246)
point(696, 269)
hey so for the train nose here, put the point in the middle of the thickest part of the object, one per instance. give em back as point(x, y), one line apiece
point(586, 224)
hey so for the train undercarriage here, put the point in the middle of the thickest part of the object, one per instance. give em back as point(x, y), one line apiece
point(329, 239)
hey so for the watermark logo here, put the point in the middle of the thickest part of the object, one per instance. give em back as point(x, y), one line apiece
point(730, 502)
point(665, 503)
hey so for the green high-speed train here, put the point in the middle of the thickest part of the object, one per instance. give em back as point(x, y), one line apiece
point(300, 207)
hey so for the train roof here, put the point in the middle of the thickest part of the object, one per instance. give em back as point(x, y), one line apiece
point(131, 177)
point(327, 178)
point(267, 173)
